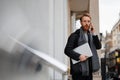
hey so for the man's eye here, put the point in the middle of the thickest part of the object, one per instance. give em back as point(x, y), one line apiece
point(86, 21)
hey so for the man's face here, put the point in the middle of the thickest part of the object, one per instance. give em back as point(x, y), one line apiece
point(85, 22)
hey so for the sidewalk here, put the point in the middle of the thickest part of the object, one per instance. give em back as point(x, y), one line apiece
point(97, 78)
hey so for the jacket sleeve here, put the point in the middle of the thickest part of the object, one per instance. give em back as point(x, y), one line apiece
point(71, 44)
point(97, 42)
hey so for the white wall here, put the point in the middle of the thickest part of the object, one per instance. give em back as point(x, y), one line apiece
point(41, 24)
point(58, 31)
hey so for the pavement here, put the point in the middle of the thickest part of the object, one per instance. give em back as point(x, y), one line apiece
point(97, 77)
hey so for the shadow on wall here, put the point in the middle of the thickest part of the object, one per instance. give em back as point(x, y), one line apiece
point(18, 65)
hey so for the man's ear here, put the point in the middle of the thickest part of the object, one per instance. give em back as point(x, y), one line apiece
point(80, 22)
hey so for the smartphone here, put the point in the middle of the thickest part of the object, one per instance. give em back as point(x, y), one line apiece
point(91, 29)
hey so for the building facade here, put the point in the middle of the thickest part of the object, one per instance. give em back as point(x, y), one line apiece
point(112, 49)
point(43, 25)
point(115, 32)
point(112, 40)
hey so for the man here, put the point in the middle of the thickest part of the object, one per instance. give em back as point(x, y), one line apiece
point(86, 33)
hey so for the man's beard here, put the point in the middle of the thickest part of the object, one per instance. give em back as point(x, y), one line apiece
point(86, 27)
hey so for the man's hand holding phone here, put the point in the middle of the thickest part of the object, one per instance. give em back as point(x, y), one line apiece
point(92, 28)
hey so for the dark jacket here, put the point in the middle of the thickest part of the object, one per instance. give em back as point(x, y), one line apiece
point(73, 43)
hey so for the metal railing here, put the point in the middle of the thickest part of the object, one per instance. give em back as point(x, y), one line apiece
point(55, 64)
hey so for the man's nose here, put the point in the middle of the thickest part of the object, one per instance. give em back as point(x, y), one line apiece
point(88, 23)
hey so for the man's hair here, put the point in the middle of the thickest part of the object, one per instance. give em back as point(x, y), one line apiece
point(85, 14)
